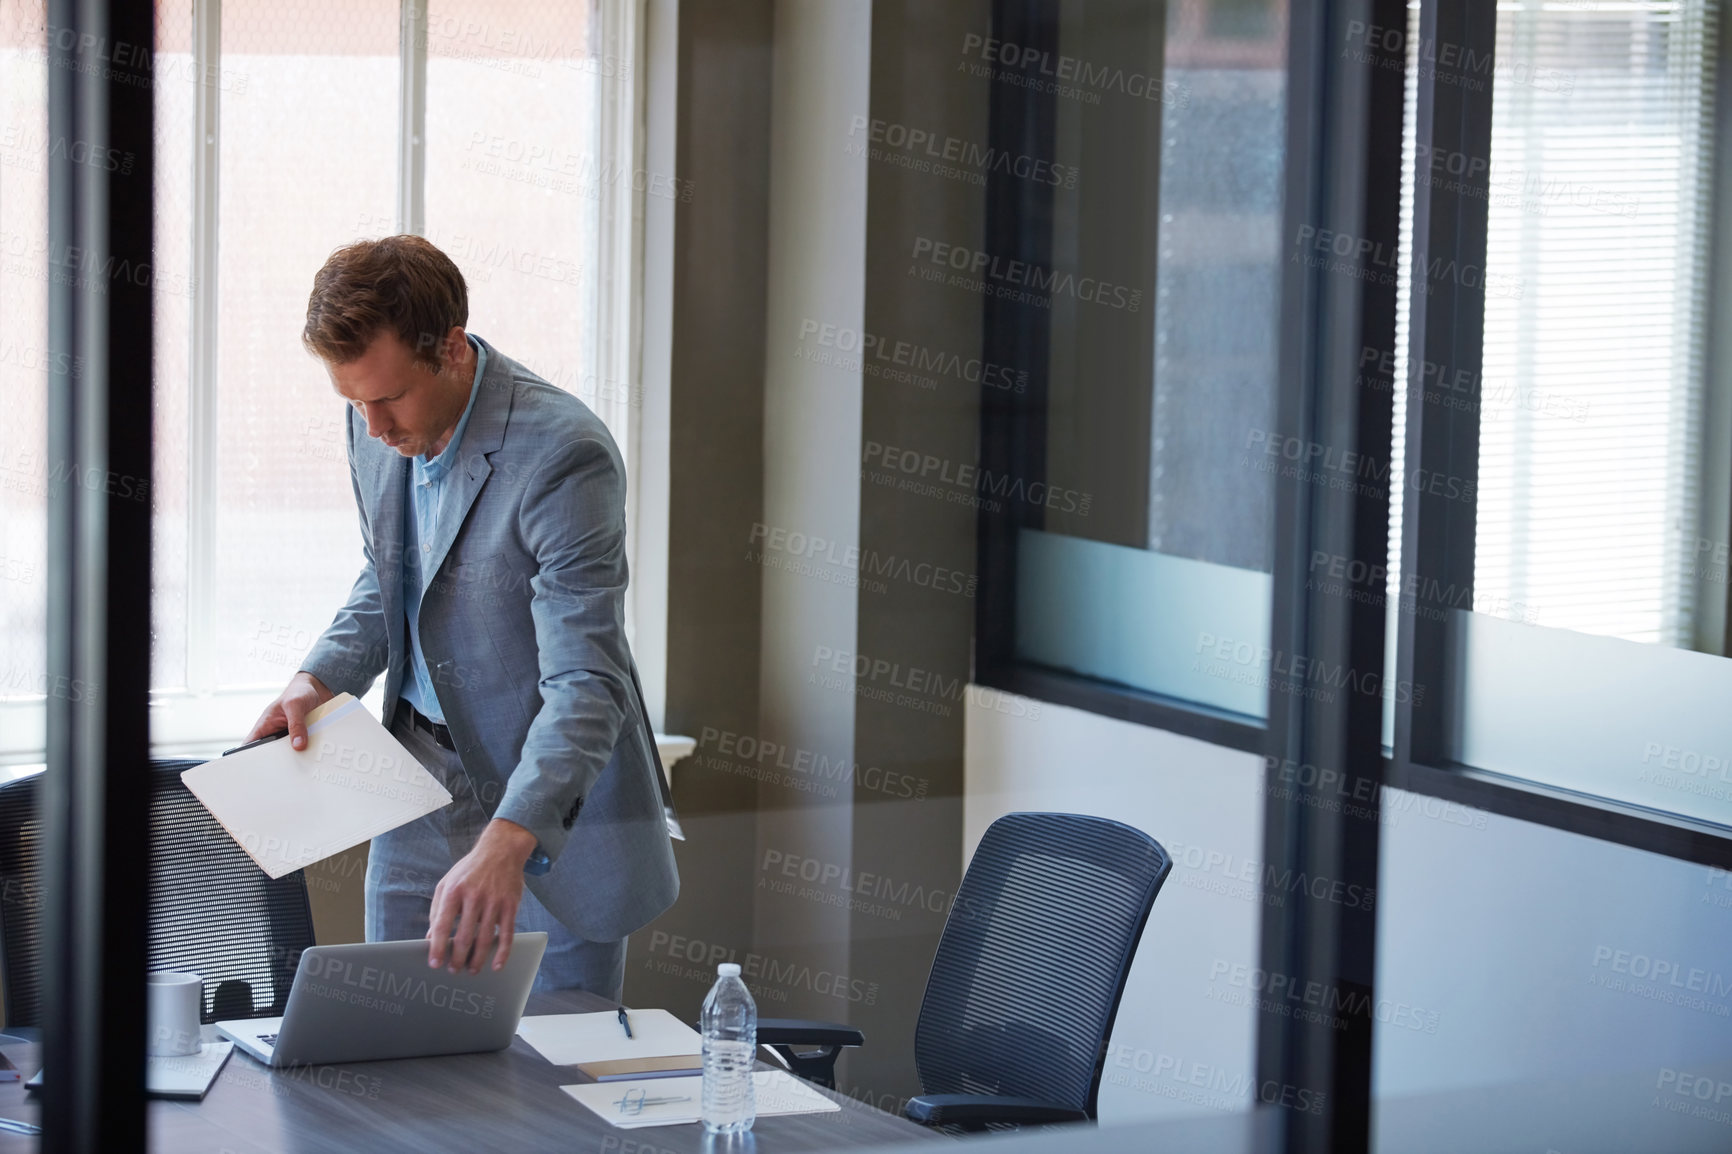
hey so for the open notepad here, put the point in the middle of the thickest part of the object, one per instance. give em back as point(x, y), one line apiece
point(289, 808)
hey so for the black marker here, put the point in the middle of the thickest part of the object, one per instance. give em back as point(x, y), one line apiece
point(260, 741)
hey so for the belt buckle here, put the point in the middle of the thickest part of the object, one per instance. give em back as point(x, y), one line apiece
point(440, 734)
point(419, 720)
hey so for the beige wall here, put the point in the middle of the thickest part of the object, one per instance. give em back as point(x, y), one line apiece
point(335, 890)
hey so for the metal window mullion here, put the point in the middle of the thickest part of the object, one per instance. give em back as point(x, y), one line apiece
point(619, 247)
point(1018, 219)
point(1344, 136)
point(202, 431)
point(412, 118)
point(1447, 328)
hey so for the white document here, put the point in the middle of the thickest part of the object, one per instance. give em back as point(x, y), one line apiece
point(568, 1039)
point(671, 1101)
point(289, 808)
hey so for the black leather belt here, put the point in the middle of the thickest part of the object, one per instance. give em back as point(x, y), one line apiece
point(440, 735)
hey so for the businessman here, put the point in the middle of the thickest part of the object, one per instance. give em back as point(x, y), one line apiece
point(492, 511)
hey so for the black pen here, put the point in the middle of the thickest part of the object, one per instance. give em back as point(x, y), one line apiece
point(625, 1023)
point(260, 741)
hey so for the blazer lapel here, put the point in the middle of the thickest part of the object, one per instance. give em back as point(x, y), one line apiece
point(389, 475)
point(484, 435)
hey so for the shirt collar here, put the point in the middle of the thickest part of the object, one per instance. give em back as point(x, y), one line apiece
point(436, 469)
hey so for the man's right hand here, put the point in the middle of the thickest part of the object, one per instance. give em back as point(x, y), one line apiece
point(304, 694)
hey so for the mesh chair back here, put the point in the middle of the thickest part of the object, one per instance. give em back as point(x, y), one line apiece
point(1034, 956)
point(212, 910)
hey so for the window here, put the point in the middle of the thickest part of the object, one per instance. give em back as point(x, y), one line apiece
point(1141, 543)
point(24, 375)
point(1580, 610)
point(502, 131)
point(514, 180)
point(314, 95)
point(1591, 434)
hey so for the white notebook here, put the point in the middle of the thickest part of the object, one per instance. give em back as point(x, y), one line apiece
point(289, 808)
point(568, 1039)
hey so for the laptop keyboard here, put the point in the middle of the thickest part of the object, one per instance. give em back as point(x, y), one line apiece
point(268, 1039)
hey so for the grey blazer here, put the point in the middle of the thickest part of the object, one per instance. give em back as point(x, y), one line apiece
point(523, 629)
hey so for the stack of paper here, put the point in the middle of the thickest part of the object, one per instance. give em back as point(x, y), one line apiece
point(289, 809)
point(671, 1101)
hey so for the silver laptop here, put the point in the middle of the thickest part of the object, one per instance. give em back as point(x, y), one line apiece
point(373, 1000)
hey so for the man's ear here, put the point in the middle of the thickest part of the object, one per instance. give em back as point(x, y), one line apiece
point(452, 349)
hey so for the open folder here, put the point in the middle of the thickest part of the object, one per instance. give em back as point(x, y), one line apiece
point(289, 808)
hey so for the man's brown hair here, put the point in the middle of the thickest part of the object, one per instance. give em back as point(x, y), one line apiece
point(400, 284)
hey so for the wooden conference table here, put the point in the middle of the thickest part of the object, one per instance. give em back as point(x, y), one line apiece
point(508, 1100)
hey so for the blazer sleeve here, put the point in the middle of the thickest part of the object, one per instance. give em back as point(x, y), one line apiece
point(356, 647)
point(573, 521)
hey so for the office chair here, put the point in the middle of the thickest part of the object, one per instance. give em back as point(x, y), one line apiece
point(212, 910)
point(1027, 978)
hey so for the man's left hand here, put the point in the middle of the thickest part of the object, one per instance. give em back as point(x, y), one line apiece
point(478, 900)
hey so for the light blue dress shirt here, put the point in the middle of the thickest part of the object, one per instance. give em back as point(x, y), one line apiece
point(428, 485)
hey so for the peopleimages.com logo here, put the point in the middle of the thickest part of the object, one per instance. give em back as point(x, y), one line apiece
point(360, 980)
point(1011, 279)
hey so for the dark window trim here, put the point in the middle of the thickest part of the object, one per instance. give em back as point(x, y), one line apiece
point(1126, 703)
point(1438, 533)
point(1637, 827)
point(1021, 121)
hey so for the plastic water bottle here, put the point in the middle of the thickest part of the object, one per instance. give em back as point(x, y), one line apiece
point(730, 1047)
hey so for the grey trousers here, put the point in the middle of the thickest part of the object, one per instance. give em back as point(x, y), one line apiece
point(404, 866)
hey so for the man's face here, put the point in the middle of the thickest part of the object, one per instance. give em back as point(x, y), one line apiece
point(406, 404)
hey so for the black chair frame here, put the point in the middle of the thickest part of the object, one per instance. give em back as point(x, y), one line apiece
point(965, 1111)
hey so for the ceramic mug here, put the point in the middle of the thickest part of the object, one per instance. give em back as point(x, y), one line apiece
point(175, 999)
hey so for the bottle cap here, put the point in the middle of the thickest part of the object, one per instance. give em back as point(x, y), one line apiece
point(728, 970)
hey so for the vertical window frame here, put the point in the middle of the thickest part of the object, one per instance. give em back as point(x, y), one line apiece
point(1013, 427)
point(1438, 534)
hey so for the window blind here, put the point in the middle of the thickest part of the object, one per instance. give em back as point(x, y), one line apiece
point(1595, 321)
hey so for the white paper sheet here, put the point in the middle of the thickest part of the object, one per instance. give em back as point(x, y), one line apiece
point(289, 809)
point(568, 1039)
point(777, 1092)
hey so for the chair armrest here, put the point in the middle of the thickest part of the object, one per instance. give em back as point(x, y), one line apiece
point(783, 1034)
point(975, 1110)
point(800, 1032)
